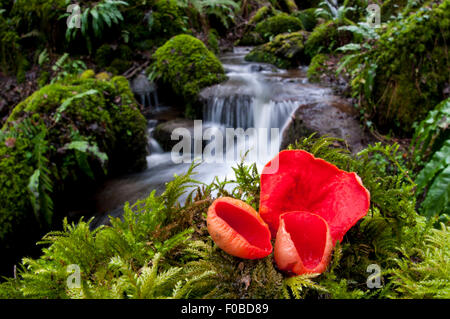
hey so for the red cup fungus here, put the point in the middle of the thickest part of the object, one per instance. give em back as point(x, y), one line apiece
point(238, 229)
point(303, 243)
point(306, 183)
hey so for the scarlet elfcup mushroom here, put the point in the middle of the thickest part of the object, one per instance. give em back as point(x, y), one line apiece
point(303, 243)
point(305, 183)
point(238, 229)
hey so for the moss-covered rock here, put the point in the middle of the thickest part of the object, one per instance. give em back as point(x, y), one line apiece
point(262, 14)
point(406, 73)
point(316, 67)
point(326, 38)
point(280, 23)
point(40, 134)
point(288, 6)
point(213, 41)
point(307, 18)
point(284, 51)
point(186, 65)
point(251, 38)
point(88, 74)
point(166, 20)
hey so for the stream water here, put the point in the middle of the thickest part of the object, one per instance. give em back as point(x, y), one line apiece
point(255, 96)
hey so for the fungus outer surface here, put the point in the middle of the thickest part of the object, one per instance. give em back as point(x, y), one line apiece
point(238, 229)
point(306, 183)
point(303, 243)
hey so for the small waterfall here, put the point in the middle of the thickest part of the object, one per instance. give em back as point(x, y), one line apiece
point(154, 146)
point(231, 106)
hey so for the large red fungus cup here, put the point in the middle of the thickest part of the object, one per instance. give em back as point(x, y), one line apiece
point(303, 243)
point(306, 183)
point(238, 229)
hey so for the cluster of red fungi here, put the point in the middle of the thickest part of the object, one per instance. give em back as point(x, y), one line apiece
point(307, 205)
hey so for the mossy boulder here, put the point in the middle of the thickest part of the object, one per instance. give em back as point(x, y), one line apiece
point(284, 51)
point(42, 133)
point(325, 38)
point(118, 59)
point(406, 73)
point(166, 20)
point(186, 66)
point(213, 41)
point(251, 38)
point(316, 67)
point(307, 18)
point(261, 14)
point(280, 23)
point(288, 6)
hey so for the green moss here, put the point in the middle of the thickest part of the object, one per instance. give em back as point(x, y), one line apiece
point(213, 40)
point(121, 65)
point(10, 48)
point(308, 18)
point(186, 66)
point(124, 52)
point(285, 51)
point(41, 16)
point(262, 14)
point(251, 38)
point(166, 20)
point(275, 25)
point(88, 74)
point(316, 67)
point(405, 74)
point(15, 172)
point(289, 5)
point(107, 117)
point(391, 8)
point(325, 38)
point(104, 55)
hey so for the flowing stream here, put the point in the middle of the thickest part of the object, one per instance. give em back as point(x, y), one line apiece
point(255, 96)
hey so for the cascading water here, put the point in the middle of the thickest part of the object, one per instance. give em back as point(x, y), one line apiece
point(245, 101)
point(261, 100)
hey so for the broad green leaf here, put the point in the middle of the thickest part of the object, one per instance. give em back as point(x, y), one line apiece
point(439, 160)
point(437, 199)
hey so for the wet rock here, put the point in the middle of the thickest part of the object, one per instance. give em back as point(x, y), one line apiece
point(284, 51)
point(334, 118)
point(163, 132)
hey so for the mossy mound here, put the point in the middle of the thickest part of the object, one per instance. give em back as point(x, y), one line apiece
point(261, 14)
point(70, 134)
point(316, 67)
point(406, 73)
point(166, 20)
point(307, 18)
point(285, 51)
point(280, 23)
point(326, 38)
point(251, 38)
point(186, 65)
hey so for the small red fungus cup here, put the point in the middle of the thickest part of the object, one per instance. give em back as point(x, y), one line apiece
point(303, 243)
point(238, 229)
